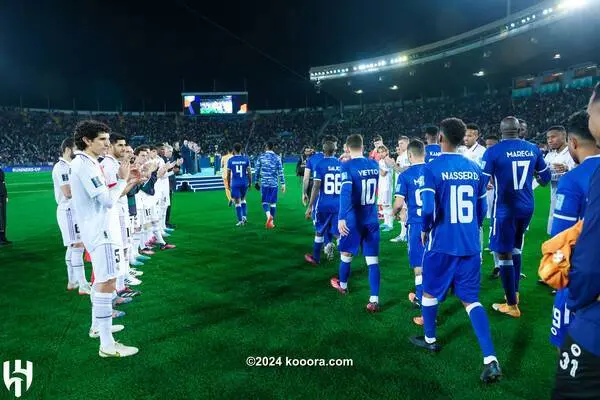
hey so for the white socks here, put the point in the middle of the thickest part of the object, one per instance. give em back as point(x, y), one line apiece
point(68, 262)
point(102, 313)
point(77, 265)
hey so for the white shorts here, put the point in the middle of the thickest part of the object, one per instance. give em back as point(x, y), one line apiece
point(490, 202)
point(125, 230)
point(105, 262)
point(68, 226)
point(384, 198)
point(134, 221)
point(156, 213)
point(145, 217)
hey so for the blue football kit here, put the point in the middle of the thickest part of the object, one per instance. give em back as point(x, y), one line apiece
point(432, 151)
point(408, 186)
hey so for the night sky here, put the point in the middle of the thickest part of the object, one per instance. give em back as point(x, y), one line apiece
point(137, 54)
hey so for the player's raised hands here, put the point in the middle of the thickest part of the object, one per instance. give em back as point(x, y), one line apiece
point(124, 170)
point(343, 228)
point(135, 175)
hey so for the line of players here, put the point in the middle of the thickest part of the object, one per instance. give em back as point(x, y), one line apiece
point(446, 195)
point(112, 201)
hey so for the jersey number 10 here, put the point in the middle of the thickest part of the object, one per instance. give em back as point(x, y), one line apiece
point(369, 190)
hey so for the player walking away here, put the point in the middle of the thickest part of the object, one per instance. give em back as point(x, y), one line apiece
point(324, 204)
point(239, 179)
point(92, 200)
point(559, 161)
point(408, 193)
point(490, 141)
point(269, 172)
point(512, 164)
point(432, 149)
point(225, 174)
point(384, 196)
point(453, 211)
point(578, 369)
point(67, 221)
point(571, 198)
point(358, 224)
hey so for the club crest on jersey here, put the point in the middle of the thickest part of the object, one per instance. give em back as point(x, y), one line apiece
point(419, 182)
point(344, 176)
point(560, 199)
point(97, 182)
point(65, 177)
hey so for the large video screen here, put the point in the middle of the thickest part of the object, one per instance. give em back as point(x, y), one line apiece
point(195, 104)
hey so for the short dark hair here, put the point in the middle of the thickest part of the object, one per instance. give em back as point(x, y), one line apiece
point(472, 126)
point(151, 147)
point(578, 125)
point(453, 130)
point(237, 147)
point(492, 137)
point(559, 128)
point(115, 137)
point(68, 143)
point(416, 147)
point(354, 141)
point(139, 149)
point(269, 145)
point(404, 138)
point(159, 145)
point(431, 130)
point(329, 138)
point(377, 138)
point(329, 147)
point(88, 129)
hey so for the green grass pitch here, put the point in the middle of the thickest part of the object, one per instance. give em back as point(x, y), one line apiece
point(228, 293)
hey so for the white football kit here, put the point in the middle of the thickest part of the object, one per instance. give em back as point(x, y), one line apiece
point(384, 195)
point(557, 157)
point(65, 215)
point(92, 200)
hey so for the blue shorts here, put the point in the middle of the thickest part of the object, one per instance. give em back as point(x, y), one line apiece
point(415, 245)
point(561, 318)
point(269, 194)
point(239, 192)
point(326, 222)
point(365, 236)
point(507, 234)
point(440, 271)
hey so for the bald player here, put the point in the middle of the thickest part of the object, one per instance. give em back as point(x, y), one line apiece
point(512, 164)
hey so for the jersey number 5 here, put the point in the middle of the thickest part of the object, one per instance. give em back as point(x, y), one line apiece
point(369, 190)
point(519, 184)
point(461, 204)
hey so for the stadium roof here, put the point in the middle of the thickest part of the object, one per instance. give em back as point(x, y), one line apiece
point(488, 57)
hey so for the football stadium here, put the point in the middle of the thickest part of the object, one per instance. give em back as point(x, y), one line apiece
point(418, 223)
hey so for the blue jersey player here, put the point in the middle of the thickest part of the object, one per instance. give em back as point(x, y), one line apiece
point(269, 172)
point(571, 199)
point(454, 207)
point(324, 203)
point(512, 164)
point(432, 149)
point(408, 191)
point(358, 223)
point(239, 178)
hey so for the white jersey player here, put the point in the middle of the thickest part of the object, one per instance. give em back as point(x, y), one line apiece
point(560, 162)
point(473, 150)
point(402, 164)
point(92, 200)
point(385, 189)
point(67, 221)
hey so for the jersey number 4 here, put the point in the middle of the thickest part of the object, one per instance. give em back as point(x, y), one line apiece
point(239, 170)
point(461, 204)
point(519, 184)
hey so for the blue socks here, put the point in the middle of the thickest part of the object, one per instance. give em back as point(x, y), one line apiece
point(429, 310)
point(328, 237)
point(507, 274)
point(244, 209)
point(517, 266)
point(317, 246)
point(238, 212)
point(265, 207)
point(481, 326)
point(273, 209)
point(345, 269)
